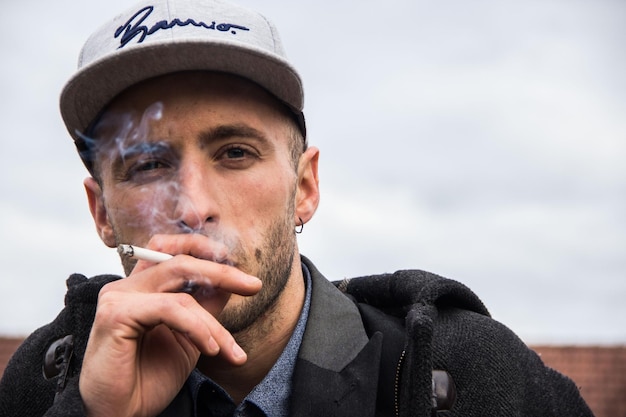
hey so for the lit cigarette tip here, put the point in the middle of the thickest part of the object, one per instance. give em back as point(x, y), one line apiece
point(142, 253)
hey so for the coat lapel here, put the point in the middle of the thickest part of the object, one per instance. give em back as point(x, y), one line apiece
point(337, 369)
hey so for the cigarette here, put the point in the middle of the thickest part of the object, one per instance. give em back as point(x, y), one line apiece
point(189, 287)
point(143, 253)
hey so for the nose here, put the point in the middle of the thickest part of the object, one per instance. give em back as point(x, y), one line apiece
point(196, 207)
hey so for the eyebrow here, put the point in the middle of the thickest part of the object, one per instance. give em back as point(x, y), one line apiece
point(142, 148)
point(223, 132)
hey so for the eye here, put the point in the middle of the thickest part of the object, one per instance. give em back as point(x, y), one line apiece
point(147, 170)
point(237, 156)
point(235, 153)
point(148, 166)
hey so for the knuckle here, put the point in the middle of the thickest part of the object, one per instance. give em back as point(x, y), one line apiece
point(106, 296)
point(107, 310)
point(223, 270)
point(184, 299)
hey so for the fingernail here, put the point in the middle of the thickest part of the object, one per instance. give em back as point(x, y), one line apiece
point(238, 351)
point(250, 280)
point(253, 279)
point(213, 345)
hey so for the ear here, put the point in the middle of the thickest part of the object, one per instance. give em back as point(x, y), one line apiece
point(308, 193)
point(98, 212)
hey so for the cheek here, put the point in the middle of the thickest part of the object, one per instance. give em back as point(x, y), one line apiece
point(142, 211)
point(268, 195)
point(260, 204)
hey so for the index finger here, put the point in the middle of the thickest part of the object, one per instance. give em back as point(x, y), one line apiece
point(183, 272)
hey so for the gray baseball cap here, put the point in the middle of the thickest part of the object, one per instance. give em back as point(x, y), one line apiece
point(165, 36)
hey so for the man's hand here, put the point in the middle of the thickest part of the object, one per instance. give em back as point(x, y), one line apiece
point(147, 336)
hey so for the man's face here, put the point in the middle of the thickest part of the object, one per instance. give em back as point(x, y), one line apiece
point(209, 154)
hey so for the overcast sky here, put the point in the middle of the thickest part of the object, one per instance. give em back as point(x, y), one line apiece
point(481, 140)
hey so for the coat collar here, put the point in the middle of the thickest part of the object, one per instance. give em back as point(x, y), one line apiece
point(334, 320)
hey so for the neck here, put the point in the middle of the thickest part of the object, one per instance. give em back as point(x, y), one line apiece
point(263, 342)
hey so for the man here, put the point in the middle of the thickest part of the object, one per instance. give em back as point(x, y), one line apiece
point(189, 119)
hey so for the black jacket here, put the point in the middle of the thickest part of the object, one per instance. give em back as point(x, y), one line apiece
point(402, 344)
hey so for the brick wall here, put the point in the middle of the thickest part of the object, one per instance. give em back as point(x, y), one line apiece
point(599, 372)
point(7, 347)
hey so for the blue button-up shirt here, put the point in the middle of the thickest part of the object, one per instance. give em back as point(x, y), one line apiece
point(268, 399)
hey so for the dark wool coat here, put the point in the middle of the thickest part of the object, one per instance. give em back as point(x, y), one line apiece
point(402, 344)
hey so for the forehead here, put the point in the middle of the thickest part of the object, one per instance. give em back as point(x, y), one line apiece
point(188, 99)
